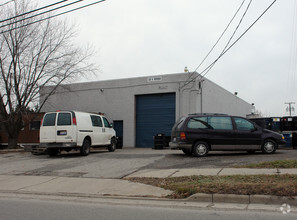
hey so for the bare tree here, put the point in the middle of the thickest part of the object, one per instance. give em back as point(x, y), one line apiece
point(34, 55)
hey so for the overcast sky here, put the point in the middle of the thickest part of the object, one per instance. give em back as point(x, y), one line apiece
point(153, 37)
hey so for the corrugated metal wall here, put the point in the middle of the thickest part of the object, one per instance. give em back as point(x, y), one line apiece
point(154, 114)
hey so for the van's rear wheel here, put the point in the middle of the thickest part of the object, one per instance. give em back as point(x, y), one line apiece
point(200, 149)
point(113, 145)
point(85, 148)
point(52, 151)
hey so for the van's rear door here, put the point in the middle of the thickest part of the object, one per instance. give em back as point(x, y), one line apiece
point(48, 128)
point(66, 127)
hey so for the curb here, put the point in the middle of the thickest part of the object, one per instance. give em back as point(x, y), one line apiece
point(6, 151)
point(151, 201)
point(243, 199)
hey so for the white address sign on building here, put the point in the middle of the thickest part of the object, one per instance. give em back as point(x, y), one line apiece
point(154, 78)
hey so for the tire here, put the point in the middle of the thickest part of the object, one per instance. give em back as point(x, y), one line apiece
point(53, 151)
point(269, 146)
point(85, 148)
point(187, 152)
point(200, 149)
point(113, 145)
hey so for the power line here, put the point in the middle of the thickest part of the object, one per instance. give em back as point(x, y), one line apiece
point(51, 10)
point(206, 70)
point(6, 3)
point(53, 16)
point(186, 83)
point(29, 12)
point(217, 40)
point(242, 35)
point(234, 32)
point(236, 29)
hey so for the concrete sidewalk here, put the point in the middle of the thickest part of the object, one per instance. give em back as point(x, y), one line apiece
point(96, 187)
point(78, 186)
point(209, 171)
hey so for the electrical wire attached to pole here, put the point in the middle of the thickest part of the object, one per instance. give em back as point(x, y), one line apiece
point(43, 19)
point(216, 43)
point(209, 67)
point(29, 12)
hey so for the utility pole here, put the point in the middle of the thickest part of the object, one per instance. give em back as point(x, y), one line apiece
point(290, 108)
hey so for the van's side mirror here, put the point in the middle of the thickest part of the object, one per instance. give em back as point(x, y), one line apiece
point(111, 125)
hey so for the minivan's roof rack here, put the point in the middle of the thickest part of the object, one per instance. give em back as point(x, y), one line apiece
point(205, 114)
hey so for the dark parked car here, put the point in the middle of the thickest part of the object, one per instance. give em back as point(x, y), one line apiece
point(199, 133)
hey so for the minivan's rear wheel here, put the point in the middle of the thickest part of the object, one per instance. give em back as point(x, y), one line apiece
point(85, 148)
point(269, 146)
point(113, 145)
point(200, 149)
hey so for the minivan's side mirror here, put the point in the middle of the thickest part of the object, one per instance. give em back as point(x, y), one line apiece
point(111, 125)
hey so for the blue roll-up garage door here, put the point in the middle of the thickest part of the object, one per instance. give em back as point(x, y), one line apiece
point(155, 114)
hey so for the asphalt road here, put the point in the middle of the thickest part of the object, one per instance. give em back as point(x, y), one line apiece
point(32, 209)
point(122, 162)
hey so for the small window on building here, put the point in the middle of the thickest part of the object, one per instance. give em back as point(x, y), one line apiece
point(34, 125)
point(64, 119)
point(220, 123)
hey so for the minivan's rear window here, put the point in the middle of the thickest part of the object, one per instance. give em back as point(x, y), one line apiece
point(220, 123)
point(64, 119)
point(179, 123)
point(198, 123)
point(49, 119)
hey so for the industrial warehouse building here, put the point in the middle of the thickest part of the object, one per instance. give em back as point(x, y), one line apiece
point(142, 107)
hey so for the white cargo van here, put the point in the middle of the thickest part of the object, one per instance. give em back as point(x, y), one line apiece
point(67, 130)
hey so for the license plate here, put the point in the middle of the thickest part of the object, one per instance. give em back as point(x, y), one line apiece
point(62, 132)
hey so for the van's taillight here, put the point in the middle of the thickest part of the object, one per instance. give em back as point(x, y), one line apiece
point(182, 136)
point(74, 120)
point(41, 122)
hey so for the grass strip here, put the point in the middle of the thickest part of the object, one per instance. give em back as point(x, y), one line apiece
point(272, 164)
point(278, 185)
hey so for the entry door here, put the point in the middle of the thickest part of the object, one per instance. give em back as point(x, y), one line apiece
point(118, 126)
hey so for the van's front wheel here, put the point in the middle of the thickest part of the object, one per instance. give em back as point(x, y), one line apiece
point(85, 148)
point(113, 145)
